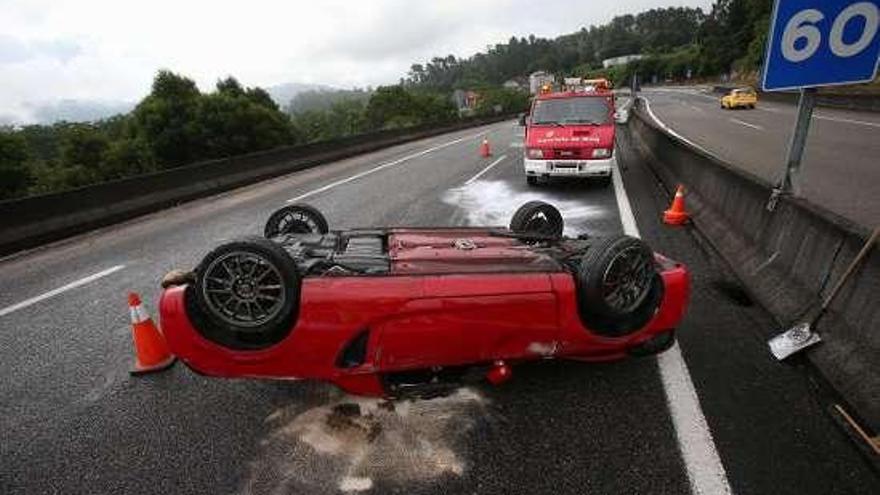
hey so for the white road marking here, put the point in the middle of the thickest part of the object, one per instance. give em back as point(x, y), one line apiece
point(688, 92)
point(846, 121)
point(740, 122)
point(694, 107)
point(383, 166)
point(626, 214)
point(55, 292)
point(768, 109)
point(488, 167)
point(704, 469)
point(669, 129)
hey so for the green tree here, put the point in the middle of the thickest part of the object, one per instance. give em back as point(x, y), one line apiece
point(15, 177)
point(127, 157)
point(166, 120)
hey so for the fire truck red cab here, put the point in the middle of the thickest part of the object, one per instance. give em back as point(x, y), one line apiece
point(571, 134)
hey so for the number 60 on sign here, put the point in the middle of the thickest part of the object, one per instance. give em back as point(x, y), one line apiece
point(822, 42)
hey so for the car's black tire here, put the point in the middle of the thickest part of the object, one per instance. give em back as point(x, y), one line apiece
point(618, 286)
point(298, 218)
point(251, 273)
point(531, 180)
point(537, 217)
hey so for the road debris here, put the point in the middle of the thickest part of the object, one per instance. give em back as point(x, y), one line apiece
point(353, 444)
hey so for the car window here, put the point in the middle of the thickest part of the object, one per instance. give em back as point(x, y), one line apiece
point(585, 110)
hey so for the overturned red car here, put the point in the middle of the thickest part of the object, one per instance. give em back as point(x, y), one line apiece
point(418, 311)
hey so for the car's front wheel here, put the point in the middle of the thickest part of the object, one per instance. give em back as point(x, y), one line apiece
point(246, 294)
point(619, 288)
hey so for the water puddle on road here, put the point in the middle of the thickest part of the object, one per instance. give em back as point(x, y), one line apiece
point(353, 444)
point(494, 202)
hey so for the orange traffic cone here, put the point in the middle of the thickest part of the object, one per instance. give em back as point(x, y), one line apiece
point(151, 351)
point(676, 214)
point(484, 148)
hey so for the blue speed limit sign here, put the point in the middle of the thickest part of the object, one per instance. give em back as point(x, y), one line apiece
point(822, 42)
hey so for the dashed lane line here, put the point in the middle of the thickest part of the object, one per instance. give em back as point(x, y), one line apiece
point(486, 169)
point(54, 292)
point(705, 471)
point(741, 122)
point(384, 166)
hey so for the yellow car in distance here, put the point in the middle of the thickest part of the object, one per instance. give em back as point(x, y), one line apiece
point(740, 98)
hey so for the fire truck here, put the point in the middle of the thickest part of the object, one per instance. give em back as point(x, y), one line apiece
point(570, 133)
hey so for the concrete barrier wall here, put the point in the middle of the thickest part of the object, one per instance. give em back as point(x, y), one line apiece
point(788, 258)
point(30, 222)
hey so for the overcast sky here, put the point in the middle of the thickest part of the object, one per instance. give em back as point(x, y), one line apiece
point(109, 50)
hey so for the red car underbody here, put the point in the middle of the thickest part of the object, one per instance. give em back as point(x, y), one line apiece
point(439, 306)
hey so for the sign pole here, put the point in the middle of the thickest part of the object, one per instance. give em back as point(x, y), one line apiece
point(790, 183)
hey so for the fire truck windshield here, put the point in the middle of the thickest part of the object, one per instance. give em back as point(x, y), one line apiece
point(575, 110)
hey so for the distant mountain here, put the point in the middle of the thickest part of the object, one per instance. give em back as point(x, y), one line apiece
point(76, 110)
point(71, 110)
point(283, 93)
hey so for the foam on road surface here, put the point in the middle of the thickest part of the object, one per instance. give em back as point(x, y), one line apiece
point(839, 169)
point(74, 421)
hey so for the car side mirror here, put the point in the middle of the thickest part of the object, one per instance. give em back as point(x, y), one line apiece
point(522, 119)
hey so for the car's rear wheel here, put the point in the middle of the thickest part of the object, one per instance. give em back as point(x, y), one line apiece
point(297, 218)
point(619, 289)
point(537, 217)
point(246, 294)
point(532, 180)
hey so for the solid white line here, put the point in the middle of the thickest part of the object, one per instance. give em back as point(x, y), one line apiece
point(382, 167)
point(740, 122)
point(488, 167)
point(669, 129)
point(704, 469)
point(55, 292)
point(626, 214)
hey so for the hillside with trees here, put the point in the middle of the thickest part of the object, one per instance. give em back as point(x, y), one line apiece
point(728, 38)
point(176, 124)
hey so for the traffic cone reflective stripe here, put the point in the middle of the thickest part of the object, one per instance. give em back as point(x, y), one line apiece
point(151, 350)
point(676, 214)
point(484, 148)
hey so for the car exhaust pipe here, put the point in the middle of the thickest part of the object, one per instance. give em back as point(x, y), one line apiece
point(499, 373)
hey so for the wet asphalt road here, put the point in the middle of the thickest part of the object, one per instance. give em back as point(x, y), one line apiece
point(73, 421)
point(840, 168)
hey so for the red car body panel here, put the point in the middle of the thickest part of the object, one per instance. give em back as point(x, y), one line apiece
point(417, 251)
point(434, 309)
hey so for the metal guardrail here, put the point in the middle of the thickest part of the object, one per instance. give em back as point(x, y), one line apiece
point(788, 258)
point(33, 221)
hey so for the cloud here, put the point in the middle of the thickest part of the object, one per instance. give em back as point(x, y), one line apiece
point(110, 50)
point(14, 50)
